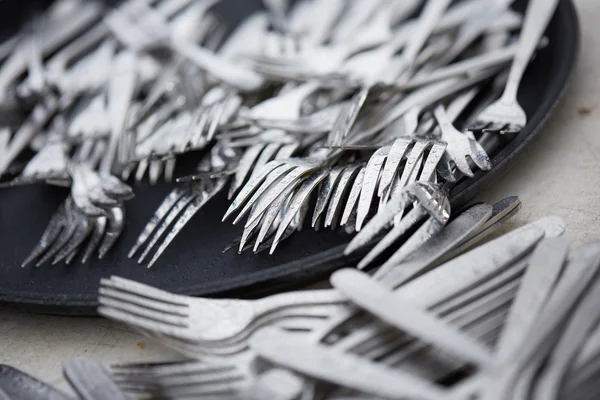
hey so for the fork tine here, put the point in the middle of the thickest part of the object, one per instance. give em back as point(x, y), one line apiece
point(245, 167)
point(220, 390)
point(462, 164)
point(141, 170)
point(274, 190)
point(382, 220)
point(217, 113)
point(325, 192)
point(249, 230)
point(166, 206)
point(180, 382)
point(273, 170)
point(158, 323)
point(114, 228)
point(127, 171)
point(477, 126)
point(436, 152)
point(341, 189)
point(299, 198)
point(353, 197)
point(60, 242)
point(133, 308)
point(397, 231)
point(495, 127)
point(269, 217)
point(172, 368)
point(189, 212)
point(147, 302)
point(140, 289)
point(173, 213)
point(392, 163)
point(412, 162)
point(286, 151)
point(511, 129)
point(170, 164)
point(372, 173)
point(480, 157)
point(81, 233)
point(297, 221)
point(415, 173)
point(156, 167)
point(200, 127)
point(268, 154)
point(55, 226)
point(348, 117)
point(97, 234)
point(176, 374)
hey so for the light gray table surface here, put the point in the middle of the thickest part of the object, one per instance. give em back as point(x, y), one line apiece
point(558, 174)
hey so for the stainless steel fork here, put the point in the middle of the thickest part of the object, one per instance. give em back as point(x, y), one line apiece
point(506, 115)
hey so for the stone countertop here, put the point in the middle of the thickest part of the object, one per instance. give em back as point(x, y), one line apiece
point(559, 173)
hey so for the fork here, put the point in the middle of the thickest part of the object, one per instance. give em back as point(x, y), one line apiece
point(506, 115)
point(93, 210)
point(174, 316)
point(461, 148)
point(171, 374)
point(386, 174)
point(185, 201)
point(165, 306)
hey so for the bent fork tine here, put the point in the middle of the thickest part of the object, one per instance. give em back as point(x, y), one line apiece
point(57, 223)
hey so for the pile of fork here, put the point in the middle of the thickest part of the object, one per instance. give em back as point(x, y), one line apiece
point(331, 110)
point(514, 318)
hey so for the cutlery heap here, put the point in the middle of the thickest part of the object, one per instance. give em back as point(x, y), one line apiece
point(325, 113)
point(512, 318)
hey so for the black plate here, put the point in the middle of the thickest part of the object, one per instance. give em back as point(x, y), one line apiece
point(195, 264)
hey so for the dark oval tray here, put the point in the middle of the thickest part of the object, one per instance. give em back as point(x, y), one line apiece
point(195, 263)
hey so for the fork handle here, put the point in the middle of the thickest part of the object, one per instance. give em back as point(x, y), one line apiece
point(431, 14)
point(300, 298)
point(537, 18)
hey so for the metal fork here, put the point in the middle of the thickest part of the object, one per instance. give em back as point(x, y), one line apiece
point(177, 379)
point(392, 168)
point(461, 148)
point(506, 115)
point(93, 210)
point(143, 306)
point(180, 378)
point(185, 201)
